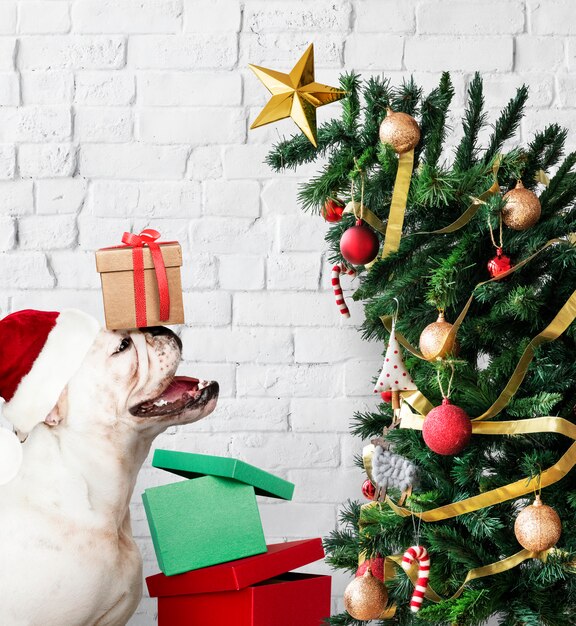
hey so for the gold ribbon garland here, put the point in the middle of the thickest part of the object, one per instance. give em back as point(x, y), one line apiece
point(398, 203)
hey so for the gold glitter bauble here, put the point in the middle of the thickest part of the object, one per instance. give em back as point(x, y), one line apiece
point(522, 209)
point(365, 597)
point(538, 527)
point(399, 130)
point(433, 337)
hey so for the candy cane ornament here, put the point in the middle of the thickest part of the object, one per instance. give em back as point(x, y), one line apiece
point(419, 554)
point(336, 271)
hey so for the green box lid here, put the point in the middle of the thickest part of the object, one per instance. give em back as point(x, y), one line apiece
point(191, 465)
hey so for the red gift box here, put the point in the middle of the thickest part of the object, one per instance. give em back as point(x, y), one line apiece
point(256, 591)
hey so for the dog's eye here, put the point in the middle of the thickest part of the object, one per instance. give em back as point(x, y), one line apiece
point(124, 345)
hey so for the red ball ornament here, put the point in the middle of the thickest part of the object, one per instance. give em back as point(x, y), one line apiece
point(332, 210)
point(499, 264)
point(368, 490)
point(447, 429)
point(387, 396)
point(359, 244)
point(376, 564)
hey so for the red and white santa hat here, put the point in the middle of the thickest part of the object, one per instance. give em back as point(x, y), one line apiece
point(40, 351)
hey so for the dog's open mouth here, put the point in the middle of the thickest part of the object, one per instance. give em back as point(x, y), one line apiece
point(182, 394)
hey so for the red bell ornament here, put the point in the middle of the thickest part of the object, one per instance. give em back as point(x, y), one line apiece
point(368, 489)
point(499, 264)
point(359, 244)
point(332, 210)
point(447, 429)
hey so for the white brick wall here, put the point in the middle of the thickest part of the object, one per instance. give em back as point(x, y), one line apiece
point(120, 115)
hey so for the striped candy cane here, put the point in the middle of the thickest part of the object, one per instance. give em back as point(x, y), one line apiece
point(336, 271)
point(420, 554)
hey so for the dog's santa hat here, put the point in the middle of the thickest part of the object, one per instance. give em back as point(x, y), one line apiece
point(40, 352)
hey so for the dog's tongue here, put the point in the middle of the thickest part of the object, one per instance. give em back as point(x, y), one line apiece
point(180, 386)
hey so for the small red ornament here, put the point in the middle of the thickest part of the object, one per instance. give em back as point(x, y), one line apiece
point(499, 264)
point(387, 396)
point(359, 244)
point(368, 489)
point(332, 210)
point(447, 429)
point(376, 564)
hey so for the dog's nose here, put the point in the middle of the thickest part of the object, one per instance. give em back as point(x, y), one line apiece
point(158, 331)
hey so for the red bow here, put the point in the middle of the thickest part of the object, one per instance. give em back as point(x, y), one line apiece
point(148, 238)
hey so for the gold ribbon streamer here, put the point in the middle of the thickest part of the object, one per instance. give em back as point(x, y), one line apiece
point(370, 218)
point(542, 177)
point(471, 211)
point(398, 204)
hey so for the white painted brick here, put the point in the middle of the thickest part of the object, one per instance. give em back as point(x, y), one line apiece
point(241, 345)
point(360, 376)
point(470, 18)
point(35, 124)
point(220, 235)
point(75, 269)
point(76, 52)
point(374, 51)
point(133, 161)
point(194, 126)
point(199, 272)
point(189, 89)
point(296, 272)
point(288, 381)
point(248, 414)
point(205, 162)
point(101, 232)
point(301, 233)
point(7, 161)
point(291, 520)
point(7, 53)
point(538, 53)
point(212, 308)
point(45, 299)
point(16, 197)
point(499, 88)
point(554, 17)
point(105, 88)
point(234, 198)
point(38, 17)
point(459, 53)
point(27, 270)
point(147, 199)
point(186, 53)
point(321, 415)
point(284, 309)
point(566, 89)
point(46, 160)
point(128, 16)
point(246, 162)
point(331, 345)
point(8, 16)
point(320, 485)
point(296, 16)
point(281, 50)
point(205, 16)
point(47, 232)
point(239, 272)
point(169, 228)
point(384, 16)
point(47, 87)
point(223, 373)
point(280, 197)
point(61, 195)
point(103, 124)
point(9, 89)
point(7, 233)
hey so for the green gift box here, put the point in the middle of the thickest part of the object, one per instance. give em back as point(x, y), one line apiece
point(213, 516)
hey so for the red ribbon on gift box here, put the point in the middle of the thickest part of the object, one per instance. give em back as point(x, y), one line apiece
point(148, 238)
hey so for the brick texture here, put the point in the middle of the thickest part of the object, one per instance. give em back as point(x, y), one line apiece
point(118, 115)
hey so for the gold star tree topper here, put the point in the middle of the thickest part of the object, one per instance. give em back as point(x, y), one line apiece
point(295, 95)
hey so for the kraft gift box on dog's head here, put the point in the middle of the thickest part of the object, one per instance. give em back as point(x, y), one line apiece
point(213, 516)
point(257, 591)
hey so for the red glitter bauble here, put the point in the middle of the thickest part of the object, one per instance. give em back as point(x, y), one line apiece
point(332, 210)
point(359, 244)
point(386, 396)
point(368, 489)
point(499, 264)
point(376, 564)
point(447, 429)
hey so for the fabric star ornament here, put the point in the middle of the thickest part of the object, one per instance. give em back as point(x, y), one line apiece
point(394, 375)
point(295, 95)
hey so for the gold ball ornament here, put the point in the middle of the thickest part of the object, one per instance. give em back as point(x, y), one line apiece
point(399, 130)
point(366, 597)
point(433, 337)
point(522, 209)
point(538, 527)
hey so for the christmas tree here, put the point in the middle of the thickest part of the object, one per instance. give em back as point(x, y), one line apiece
point(509, 359)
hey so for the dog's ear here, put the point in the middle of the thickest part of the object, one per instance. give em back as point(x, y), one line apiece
point(58, 413)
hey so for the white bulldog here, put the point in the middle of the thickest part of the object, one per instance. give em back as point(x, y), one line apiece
point(67, 556)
